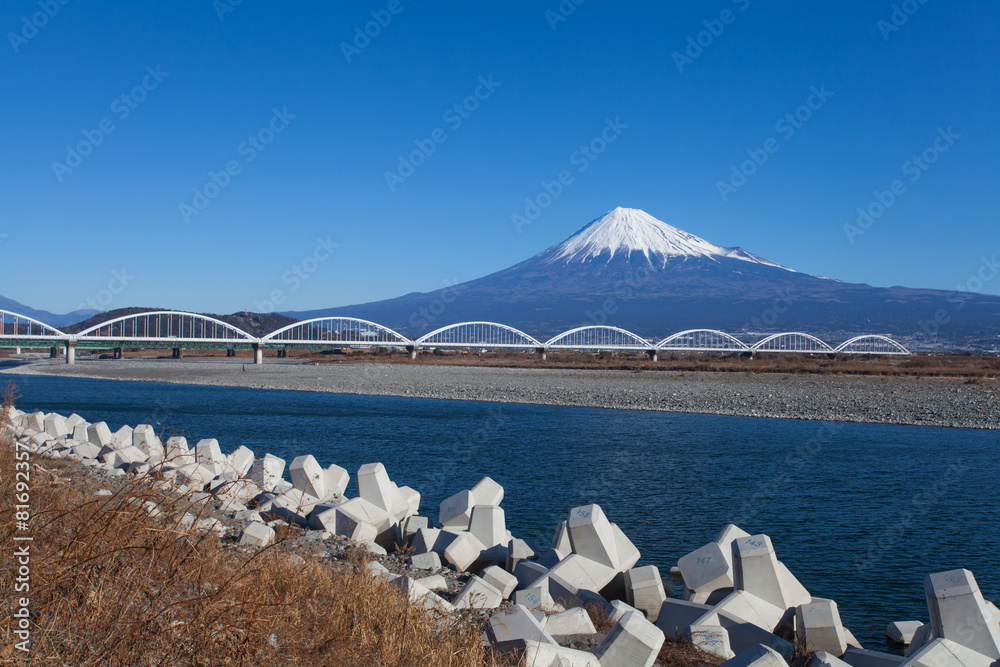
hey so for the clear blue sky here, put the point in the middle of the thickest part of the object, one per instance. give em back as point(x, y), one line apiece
point(553, 86)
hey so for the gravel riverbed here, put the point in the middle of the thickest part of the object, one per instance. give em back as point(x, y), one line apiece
point(874, 399)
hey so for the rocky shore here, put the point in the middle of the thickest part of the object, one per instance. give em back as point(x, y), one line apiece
point(874, 399)
point(580, 600)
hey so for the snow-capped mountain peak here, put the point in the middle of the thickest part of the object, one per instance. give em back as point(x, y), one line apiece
point(629, 230)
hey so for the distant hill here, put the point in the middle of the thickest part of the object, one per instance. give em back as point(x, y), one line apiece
point(255, 324)
point(53, 320)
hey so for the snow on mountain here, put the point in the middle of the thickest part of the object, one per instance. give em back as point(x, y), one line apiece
point(629, 230)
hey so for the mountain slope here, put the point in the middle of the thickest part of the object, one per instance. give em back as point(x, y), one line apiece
point(53, 320)
point(631, 270)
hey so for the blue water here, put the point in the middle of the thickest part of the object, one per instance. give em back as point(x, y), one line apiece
point(860, 513)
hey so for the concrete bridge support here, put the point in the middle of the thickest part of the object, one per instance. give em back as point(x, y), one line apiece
point(71, 352)
point(652, 355)
point(412, 349)
point(258, 353)
point(175, 353)
point(542, 353)
point(53, 352)
point(17, 350)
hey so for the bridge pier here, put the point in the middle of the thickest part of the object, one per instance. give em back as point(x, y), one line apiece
point(230, 353)
point(652, 355)
point(258, 353)
point(70, 352)
point(53, 353)
point(542, 353)
point(412, 349)
point(17, 350)
point(117, 353)
point(175, 353)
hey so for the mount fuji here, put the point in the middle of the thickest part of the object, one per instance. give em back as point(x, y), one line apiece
point(630, 270)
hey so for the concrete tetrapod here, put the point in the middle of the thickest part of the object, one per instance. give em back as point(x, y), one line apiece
point(632, 641)
point(959, 612)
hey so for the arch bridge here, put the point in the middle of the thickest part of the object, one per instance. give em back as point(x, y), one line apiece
point(178, 330)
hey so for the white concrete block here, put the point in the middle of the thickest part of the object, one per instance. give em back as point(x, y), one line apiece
point(55, 426)
point(434, 582)
point(500, 579)
point(74, 420)
point(617, 608)
point(256, 535)
point(308, 476)
point(758, 656)
point(144, 438)
point(80, 433)
point(488, 524)
point(537, 654)
point(582, 573)
point(456, 511)
point(477, 594)
point(528, 572)
point(425, 561)
point(417, 592)
point(487, 492)
point(425, 540)
point(463, 551)
point(536, 598)
point(375, 486)
point(592, 537)
point(411, 525)
point(267, 471)
point(644, 590)
point(757, 571)
point(628, 554)
point(194, 475)
point(748, 607)
point(240, 461)
point(706, 570)
point(570, 622)
point(818, 627)
point(517, 550)
point(409, 497)
point(336, 480)
point(632, 641)
point(209, 454)
point(356, 511)
point(824, 659)
point(860, 658)
point(35, 421)
point(947, 653)
point(87, 450)
point(121, 458)
point(561, 543)
point(923, 635)
point(372, 546)
point(712, 639)
point(98, 433)
point(122, 437)
point(517, 624)
point(959, 612)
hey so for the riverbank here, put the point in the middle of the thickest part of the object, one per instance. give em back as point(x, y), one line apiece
point(949, 402)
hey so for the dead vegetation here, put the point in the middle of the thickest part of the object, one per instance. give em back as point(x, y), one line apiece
point(114, 584)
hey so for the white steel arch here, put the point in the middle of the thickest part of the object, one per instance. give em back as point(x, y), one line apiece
point(598, 337)
point(336, 330)
point(871, 344)
point(702, 340)
point(791, 341)
point(478, 334)
point(15, 325)
point(167, 325)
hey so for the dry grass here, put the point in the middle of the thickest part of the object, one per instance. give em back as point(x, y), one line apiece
point(680, 652)
point(111, 585)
